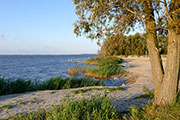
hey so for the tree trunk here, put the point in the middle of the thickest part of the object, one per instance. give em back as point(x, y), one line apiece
point(152, 45)
point(169, 85)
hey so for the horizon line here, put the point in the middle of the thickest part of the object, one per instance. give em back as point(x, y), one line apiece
point(56, 54)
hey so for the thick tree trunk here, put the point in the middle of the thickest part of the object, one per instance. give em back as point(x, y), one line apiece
point(152, 44)
point(165, 83)
point(169, 85)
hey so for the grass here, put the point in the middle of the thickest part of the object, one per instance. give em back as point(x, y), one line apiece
point(6, 107)
point(101, 108)
point(108, 67)
point(154, 112)
point(22, 103)
point(99, 59)
point(106, 70)
point(77, 70)
point(91, 89)
point(149, 94)
point(93, 108)
point(19, 86)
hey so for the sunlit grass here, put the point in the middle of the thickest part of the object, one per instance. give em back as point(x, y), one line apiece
point(99, 59)
point(108, 67)
point(19, 86)
point(93, 108)
point(108, 89)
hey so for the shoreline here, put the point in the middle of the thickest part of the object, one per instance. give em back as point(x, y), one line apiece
point(140, 73)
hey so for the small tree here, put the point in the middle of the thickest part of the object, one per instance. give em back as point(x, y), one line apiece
point(99, 19)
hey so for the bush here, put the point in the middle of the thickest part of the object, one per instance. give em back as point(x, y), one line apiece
point(94, 108)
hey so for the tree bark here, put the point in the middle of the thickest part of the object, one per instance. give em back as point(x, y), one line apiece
point(152, 45)
point(169, 86)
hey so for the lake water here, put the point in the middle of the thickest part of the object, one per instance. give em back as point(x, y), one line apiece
point(39, 67)
point(42, 67)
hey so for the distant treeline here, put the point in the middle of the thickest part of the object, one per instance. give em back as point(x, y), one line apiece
point(130, 45)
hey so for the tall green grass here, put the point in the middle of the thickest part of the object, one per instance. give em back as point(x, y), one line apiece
point(94, 108)
point(106, 70)
point(98, 60)
point(107, 67)
point(8, 86)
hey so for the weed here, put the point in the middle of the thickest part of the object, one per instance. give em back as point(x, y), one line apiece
point(22, 103)
point(6, 107)
point(149, 94)
point(91, 89)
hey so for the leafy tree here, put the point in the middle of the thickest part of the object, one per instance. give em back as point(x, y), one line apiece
point(130, 45)
point(99, 19)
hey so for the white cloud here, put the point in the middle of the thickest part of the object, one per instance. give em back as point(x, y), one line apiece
point(1, 36)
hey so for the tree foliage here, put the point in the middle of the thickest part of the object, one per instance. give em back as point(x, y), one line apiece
point(99, 19)
point(103, 19)
point(130, 45)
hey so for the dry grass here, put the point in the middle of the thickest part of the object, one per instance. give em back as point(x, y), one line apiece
point(77, 70)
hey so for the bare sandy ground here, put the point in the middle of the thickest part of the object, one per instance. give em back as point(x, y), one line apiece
point(139, 74)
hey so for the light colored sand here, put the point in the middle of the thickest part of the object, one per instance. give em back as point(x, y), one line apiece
point(140, 73)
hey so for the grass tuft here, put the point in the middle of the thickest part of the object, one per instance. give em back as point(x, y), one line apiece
point(93, 108)
point(100, 59)
point(149, 94)
point(77, 70)
point(107, 67)
point(6, 107)
point(91, 89)
point(154, 112)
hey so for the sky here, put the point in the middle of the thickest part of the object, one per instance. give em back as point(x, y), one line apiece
point(40, 27)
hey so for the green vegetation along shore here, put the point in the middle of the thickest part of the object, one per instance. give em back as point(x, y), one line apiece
point(8, 86)
point(108, 67)
point(93, 108)
point(101, 108)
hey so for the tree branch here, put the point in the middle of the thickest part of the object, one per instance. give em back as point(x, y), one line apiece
point(135, 14)
point(160, 27)
point(167, 12)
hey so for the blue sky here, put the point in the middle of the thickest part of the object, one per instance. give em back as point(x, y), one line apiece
point(40, 27)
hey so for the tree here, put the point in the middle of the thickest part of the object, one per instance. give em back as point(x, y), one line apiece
point(99, 19)
point(133, 44)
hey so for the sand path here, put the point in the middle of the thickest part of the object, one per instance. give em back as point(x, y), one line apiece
point(139, 73)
